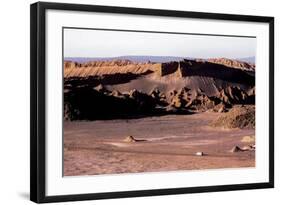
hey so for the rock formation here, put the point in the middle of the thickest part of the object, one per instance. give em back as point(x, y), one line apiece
point(124, 89)
point(168, 68)
point(237, 117)
point(130, 139)
point(236, 149)
point(233, 63)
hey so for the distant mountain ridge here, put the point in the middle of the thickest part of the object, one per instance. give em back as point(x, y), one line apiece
point(143, 59)
point(251, 59)
point(138, 59)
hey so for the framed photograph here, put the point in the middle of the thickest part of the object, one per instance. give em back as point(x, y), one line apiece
point(129, 102)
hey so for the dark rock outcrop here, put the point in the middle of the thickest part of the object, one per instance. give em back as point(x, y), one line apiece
point(213, 70)
point(168, 68)
point(235, 95)
point(86, 103)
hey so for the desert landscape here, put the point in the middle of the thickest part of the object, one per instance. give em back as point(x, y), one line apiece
point(133, 114)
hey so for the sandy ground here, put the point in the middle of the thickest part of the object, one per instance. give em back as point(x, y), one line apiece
point(169, 143)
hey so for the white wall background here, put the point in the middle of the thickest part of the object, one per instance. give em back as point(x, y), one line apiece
point(14, 101)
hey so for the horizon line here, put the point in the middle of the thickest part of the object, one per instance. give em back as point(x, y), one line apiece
point(158, 56)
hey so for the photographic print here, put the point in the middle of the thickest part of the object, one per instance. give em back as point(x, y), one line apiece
point(132, 102)
point(148, 101)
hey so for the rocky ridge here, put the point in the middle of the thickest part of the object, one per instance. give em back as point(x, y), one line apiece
point(124, 89)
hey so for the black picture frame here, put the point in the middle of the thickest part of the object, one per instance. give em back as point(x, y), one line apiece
point(38, 103)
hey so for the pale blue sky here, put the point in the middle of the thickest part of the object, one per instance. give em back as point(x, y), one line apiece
point(100, 43)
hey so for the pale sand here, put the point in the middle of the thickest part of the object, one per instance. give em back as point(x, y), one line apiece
point(170, 143)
